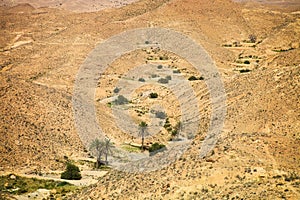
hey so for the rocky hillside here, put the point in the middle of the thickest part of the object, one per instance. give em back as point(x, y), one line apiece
point(256, 50)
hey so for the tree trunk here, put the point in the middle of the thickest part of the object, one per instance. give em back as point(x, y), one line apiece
point(98, 164)
point(106, 158)
point(142, 143)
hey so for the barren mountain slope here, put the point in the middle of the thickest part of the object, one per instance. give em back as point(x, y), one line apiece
point(257, 156)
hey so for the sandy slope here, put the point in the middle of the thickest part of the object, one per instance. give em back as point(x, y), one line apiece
point(71, 5)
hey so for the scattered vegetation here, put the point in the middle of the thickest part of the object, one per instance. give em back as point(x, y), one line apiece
point(291, 177)
point(176, 130)
point(168, 125)
point(72, 172)
point(282, 50)
point(13, 184)
point(193, 78)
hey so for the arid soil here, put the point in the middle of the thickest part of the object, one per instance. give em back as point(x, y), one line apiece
point(71, 5)
point(258, 153)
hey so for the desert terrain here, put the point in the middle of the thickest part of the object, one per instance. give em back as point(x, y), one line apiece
point(255, 47)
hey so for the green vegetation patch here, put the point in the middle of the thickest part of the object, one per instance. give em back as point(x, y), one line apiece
point(13, 184)
point(156, 146)
point(72, 172)
point(130, 148)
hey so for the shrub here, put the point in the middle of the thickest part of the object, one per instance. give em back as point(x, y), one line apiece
point(120, 100)
point(159, 67)
point(153, 95)
point(247, 62)
point(154, 75)
point(116, 90)
point(156, 146)
point(176, 71)
point(252, 38)
point(72, 172)
point(169, 77)
point(244, 70)
point(163, 80)
point(192, 78)
point(163, 57)
point(167, 124)
point(160, 115)
point(174, 132)
point(141, 79)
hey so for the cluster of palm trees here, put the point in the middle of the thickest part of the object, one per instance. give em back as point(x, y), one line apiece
point(105, 147)
point(102, 148)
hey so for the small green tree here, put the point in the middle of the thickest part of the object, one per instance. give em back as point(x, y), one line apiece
point(72, 172)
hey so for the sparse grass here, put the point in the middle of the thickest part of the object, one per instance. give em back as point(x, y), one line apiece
point(130, 148)
point(20, 185)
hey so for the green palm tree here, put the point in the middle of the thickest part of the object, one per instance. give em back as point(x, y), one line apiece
point(143, 127)
point(97, 146)
point(102, 147)
point(108, 149)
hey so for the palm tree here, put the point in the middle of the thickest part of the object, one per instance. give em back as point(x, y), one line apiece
point(101, 147)
point(98, 146)
point(143, 132)
point(107, 149)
